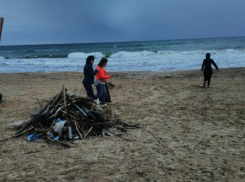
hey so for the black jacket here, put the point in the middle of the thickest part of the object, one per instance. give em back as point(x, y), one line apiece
point(89, 73)
point(207, 65)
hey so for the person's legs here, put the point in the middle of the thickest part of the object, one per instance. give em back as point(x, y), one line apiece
point(205, 80)
point(103, 95)
point(99, 91)
point(89, 90)
point(209, 78)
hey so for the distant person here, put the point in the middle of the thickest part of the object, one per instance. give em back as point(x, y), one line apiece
point(89, 74)
point(207, 69)
point(100, 80)
point(1, 97)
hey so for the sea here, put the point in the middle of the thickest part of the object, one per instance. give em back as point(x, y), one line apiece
point(156, 56)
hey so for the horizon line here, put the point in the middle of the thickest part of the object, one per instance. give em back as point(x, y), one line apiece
point(123, 41)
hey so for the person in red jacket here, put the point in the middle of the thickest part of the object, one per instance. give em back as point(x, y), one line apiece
point(100, 80)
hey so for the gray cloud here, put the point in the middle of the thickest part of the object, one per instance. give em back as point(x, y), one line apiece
point(80, 21)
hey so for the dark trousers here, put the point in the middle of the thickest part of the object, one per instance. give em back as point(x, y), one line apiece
point(101, 92)
point(208, 76)
point(89, 90)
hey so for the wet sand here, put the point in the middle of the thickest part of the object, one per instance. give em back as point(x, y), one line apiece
point(201, 131)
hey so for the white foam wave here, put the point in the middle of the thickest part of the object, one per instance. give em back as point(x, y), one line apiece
point(128, 61)
point(85, 55)
point(125, 54)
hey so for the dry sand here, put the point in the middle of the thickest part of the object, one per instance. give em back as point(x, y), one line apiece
point(201, 130)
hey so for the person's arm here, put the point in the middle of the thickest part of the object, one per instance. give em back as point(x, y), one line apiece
point(102, 74)
point(95, 72)
point(215, 65)
point(202, 65)
point(89, 71)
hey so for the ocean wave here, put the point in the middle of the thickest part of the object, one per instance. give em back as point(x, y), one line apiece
point(126, 54)
point(5, 51)
point(4, 64)
point(132, 45)
point(47, 50)
point(127, 61)
point(85, 55)
point(45, 56)
point(2, 58)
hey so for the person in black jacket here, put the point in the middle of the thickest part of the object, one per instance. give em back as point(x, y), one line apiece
point(207, 69)
point(88, 80)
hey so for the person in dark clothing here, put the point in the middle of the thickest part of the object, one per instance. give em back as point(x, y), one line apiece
point(207, 69)
point(88, 80)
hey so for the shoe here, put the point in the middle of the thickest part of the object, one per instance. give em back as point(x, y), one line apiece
point(208, 87)
point(103, 105)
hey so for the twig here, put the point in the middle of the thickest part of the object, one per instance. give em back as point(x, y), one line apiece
point(119, 136)
point(56, 98)
point(17, 135)
point(59, 142)
point(88, 132)
point(64, 94)
point(78, 130)
point(156, 138)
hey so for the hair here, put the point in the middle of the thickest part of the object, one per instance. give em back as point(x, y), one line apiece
point(208, 55)
point(89, 59)
point(102, 62)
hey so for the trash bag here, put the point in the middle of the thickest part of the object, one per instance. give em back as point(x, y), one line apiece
point(38, 118)
point(59, 125)
point(107, 94)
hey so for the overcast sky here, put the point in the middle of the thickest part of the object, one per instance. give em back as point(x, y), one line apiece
point(84, 21)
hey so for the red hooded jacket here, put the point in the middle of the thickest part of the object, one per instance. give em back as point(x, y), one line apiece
point(102, 75)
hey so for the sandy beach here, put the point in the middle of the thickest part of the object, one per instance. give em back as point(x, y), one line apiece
point(201, 131)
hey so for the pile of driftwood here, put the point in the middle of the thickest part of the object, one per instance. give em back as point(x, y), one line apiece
point(68, 116)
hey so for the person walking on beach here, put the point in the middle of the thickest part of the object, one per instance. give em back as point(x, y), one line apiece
point(100, 80)
point(89, 74)
point(207, 69)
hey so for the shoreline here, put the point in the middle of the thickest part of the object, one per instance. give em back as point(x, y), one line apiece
point(161, 72)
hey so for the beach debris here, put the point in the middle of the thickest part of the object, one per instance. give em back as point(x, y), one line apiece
point(33, 137)
point(15, 125)
point(67, 117)
point(110, 85)
point(168, 76)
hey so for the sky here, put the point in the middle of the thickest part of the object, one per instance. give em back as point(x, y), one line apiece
point(28, 22)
